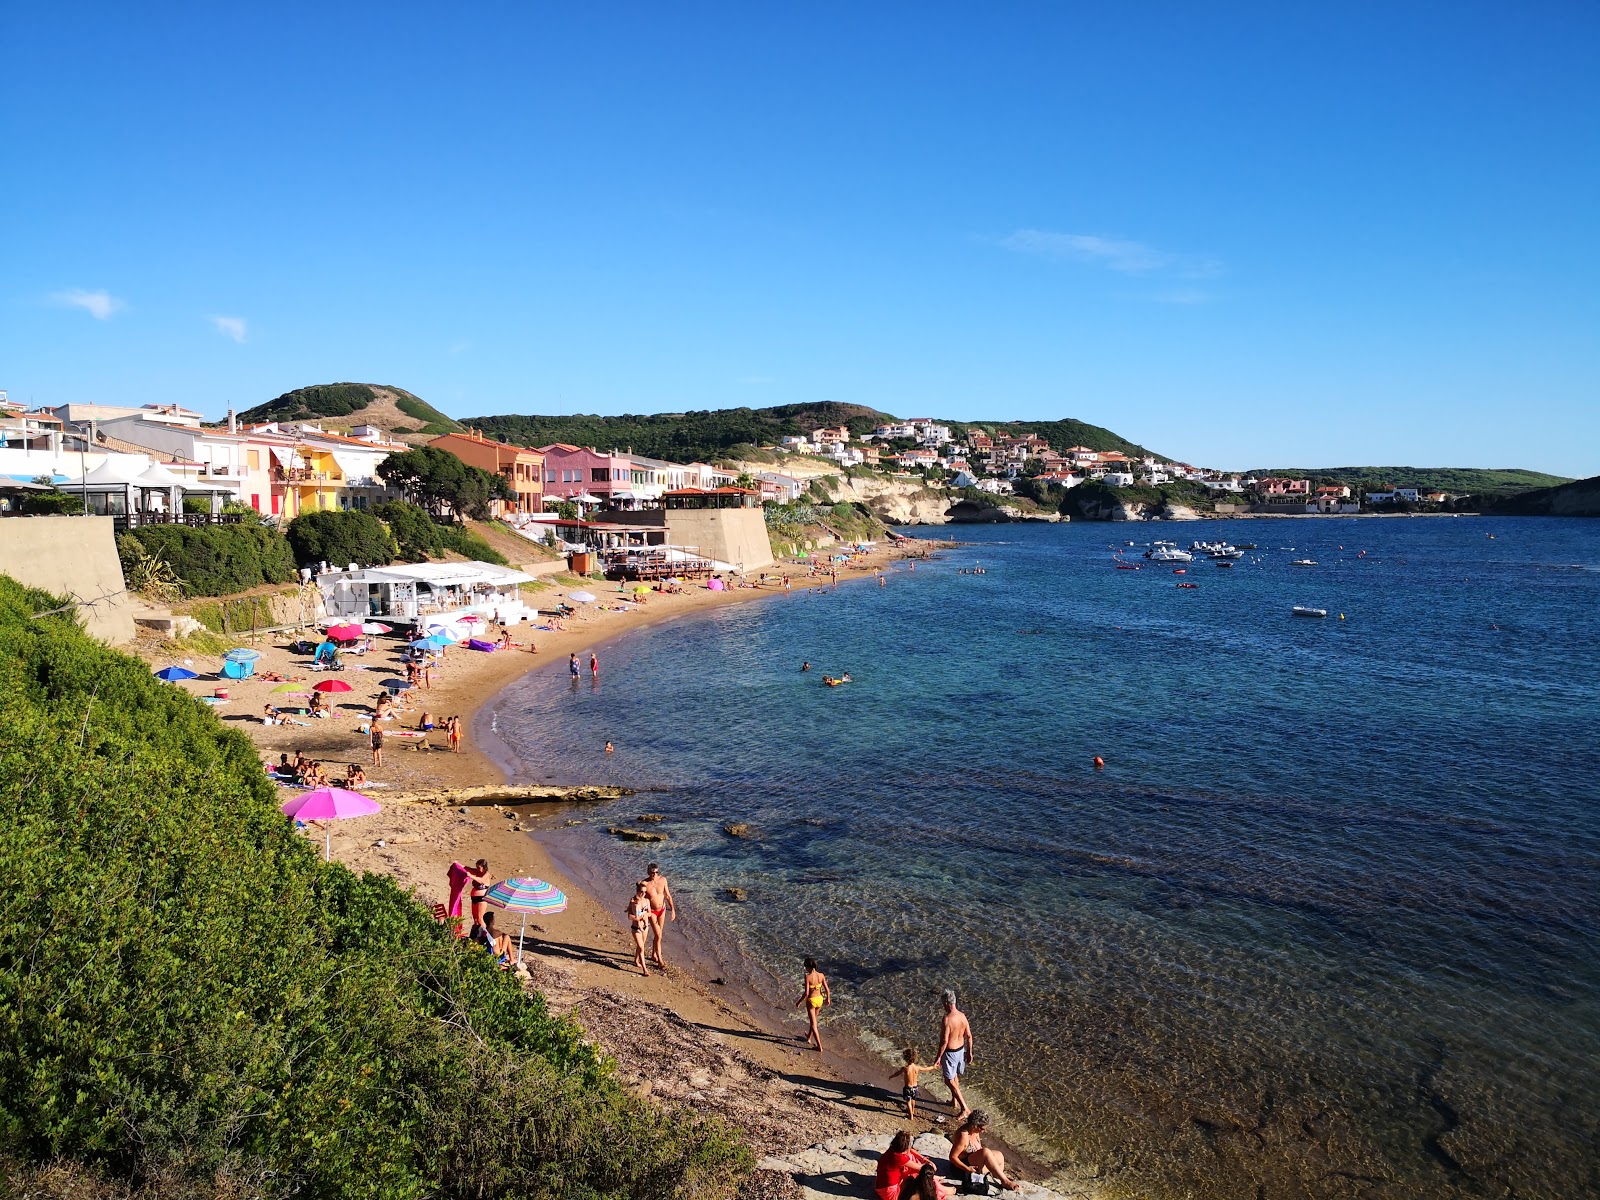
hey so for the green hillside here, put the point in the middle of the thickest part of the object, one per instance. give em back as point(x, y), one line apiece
point(1456, 480)
point(195, 1004)
point(352, 402)
point(710, 434)
point(1580, 498)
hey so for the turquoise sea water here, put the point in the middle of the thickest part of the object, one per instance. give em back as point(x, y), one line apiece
point(1325, 924)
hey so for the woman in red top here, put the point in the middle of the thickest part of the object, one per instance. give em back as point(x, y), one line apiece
point(900, 1166)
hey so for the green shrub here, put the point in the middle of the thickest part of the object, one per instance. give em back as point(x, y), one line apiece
point(338, 537)
point(420, 537)
point(213, 560)
point(57, 503)
point(187, 993)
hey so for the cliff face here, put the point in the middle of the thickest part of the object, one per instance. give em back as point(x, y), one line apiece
point(895, 501)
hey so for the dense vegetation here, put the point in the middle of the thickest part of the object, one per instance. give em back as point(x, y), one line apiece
point(1456, 480)
point(210, 560)
point(51, 503)
point(1061, 434)
point(680, 437)
point(420, 537)
point(339, 537)
point(343, 400)
point(440, 482)
point(190, 999)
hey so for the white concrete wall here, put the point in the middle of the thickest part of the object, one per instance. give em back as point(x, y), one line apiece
point(75, 557)
point(732, 535)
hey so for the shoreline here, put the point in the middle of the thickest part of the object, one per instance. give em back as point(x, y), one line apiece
point(716, 1041)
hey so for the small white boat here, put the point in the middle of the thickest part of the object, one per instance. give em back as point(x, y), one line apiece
point(1300, 610)
point(1304, 562)
point(1167, 552)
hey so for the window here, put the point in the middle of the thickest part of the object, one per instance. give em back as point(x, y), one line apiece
point(600, 474)
point(549, 476)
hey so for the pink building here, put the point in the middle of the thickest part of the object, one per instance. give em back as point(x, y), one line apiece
point(573, 470)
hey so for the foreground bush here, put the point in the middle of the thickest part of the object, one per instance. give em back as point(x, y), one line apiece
point(338, 537)
point(187, 993)
point(212, 560)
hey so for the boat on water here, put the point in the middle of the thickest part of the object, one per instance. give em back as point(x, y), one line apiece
point(1188, 585)
point(1245, 546)
point(1167, 552)
point(1222, 562)
point(1304, 562)
point(1127, 567)
point(1301, 610)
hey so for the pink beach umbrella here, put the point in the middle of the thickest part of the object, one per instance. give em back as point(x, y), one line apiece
point(344, 633)
point(329, 804)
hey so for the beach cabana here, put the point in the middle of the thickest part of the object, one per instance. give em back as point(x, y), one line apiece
point(435, 593)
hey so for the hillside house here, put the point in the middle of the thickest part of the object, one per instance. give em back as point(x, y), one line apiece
point(521, 467)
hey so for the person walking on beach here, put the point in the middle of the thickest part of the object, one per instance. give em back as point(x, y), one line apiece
point(377, 746)
point(909, 1075)
point(638, 911)
point(661, 902)
point(812, 999)
point(955, 1051)
point(594, 666)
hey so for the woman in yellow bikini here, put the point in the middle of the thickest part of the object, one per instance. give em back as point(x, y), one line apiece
point(816, 995)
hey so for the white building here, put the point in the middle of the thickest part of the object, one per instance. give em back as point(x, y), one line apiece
point(1118, 479)
point(891, 430)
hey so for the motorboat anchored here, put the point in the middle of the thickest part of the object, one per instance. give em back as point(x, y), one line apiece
point(1301, 610)
point(1167, 552)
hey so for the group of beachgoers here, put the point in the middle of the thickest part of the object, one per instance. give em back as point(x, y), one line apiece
point(306, 772)
point(903, 1173)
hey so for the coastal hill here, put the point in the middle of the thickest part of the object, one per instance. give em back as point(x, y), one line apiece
point(713, 433)
point(1456, 480)
point(1580, 498)
point(342, 405)
point(706, 434)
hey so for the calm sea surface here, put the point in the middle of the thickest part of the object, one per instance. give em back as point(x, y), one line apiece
point(1325, 924)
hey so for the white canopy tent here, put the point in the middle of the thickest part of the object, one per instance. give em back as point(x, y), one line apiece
point(435, 592)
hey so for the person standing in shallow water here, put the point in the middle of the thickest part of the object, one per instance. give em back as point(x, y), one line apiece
point(816, 995)
point(955, 1051)
point(572, 666)
point(594, 666)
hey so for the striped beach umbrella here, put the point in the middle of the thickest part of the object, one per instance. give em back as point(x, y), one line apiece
point(526, 894)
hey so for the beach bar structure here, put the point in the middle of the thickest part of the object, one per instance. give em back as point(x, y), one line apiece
point(418, 591)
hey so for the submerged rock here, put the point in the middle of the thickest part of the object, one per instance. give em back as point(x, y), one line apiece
point(635, 835)
point(647, 818)
point(736, 894)
point(737, 829)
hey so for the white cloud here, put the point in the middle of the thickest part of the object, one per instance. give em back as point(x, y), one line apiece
point(1115, 253)
point(99, 304)
point(232, 327)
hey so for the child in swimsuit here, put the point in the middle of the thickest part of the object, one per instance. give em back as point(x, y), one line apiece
point(908, 1080)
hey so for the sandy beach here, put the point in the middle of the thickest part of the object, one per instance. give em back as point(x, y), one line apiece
point(677, 1036)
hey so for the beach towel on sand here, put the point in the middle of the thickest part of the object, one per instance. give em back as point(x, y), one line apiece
point(458, 884)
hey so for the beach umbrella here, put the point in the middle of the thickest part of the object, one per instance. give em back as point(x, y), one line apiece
point(424, 644)
point(173, 674)
point(376, 627)
point(440, 633)
point(344, 633)
point(332, 685)
point(525, 895)
point(329, 804)
point(641, 587)
point(470, 619)
point(242, 654)
point(582, 597)
point(297, 689)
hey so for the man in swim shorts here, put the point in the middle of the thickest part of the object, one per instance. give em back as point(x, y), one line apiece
point(955, 1051)
point(660, 894)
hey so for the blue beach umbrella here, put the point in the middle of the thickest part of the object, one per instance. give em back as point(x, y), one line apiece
point(173, 674)
point(242, 654)
point(423, 644)
point(439, 631)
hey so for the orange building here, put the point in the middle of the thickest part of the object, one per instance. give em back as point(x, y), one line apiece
point(524, 468)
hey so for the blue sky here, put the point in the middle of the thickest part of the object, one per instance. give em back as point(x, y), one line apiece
point(1241, 234)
